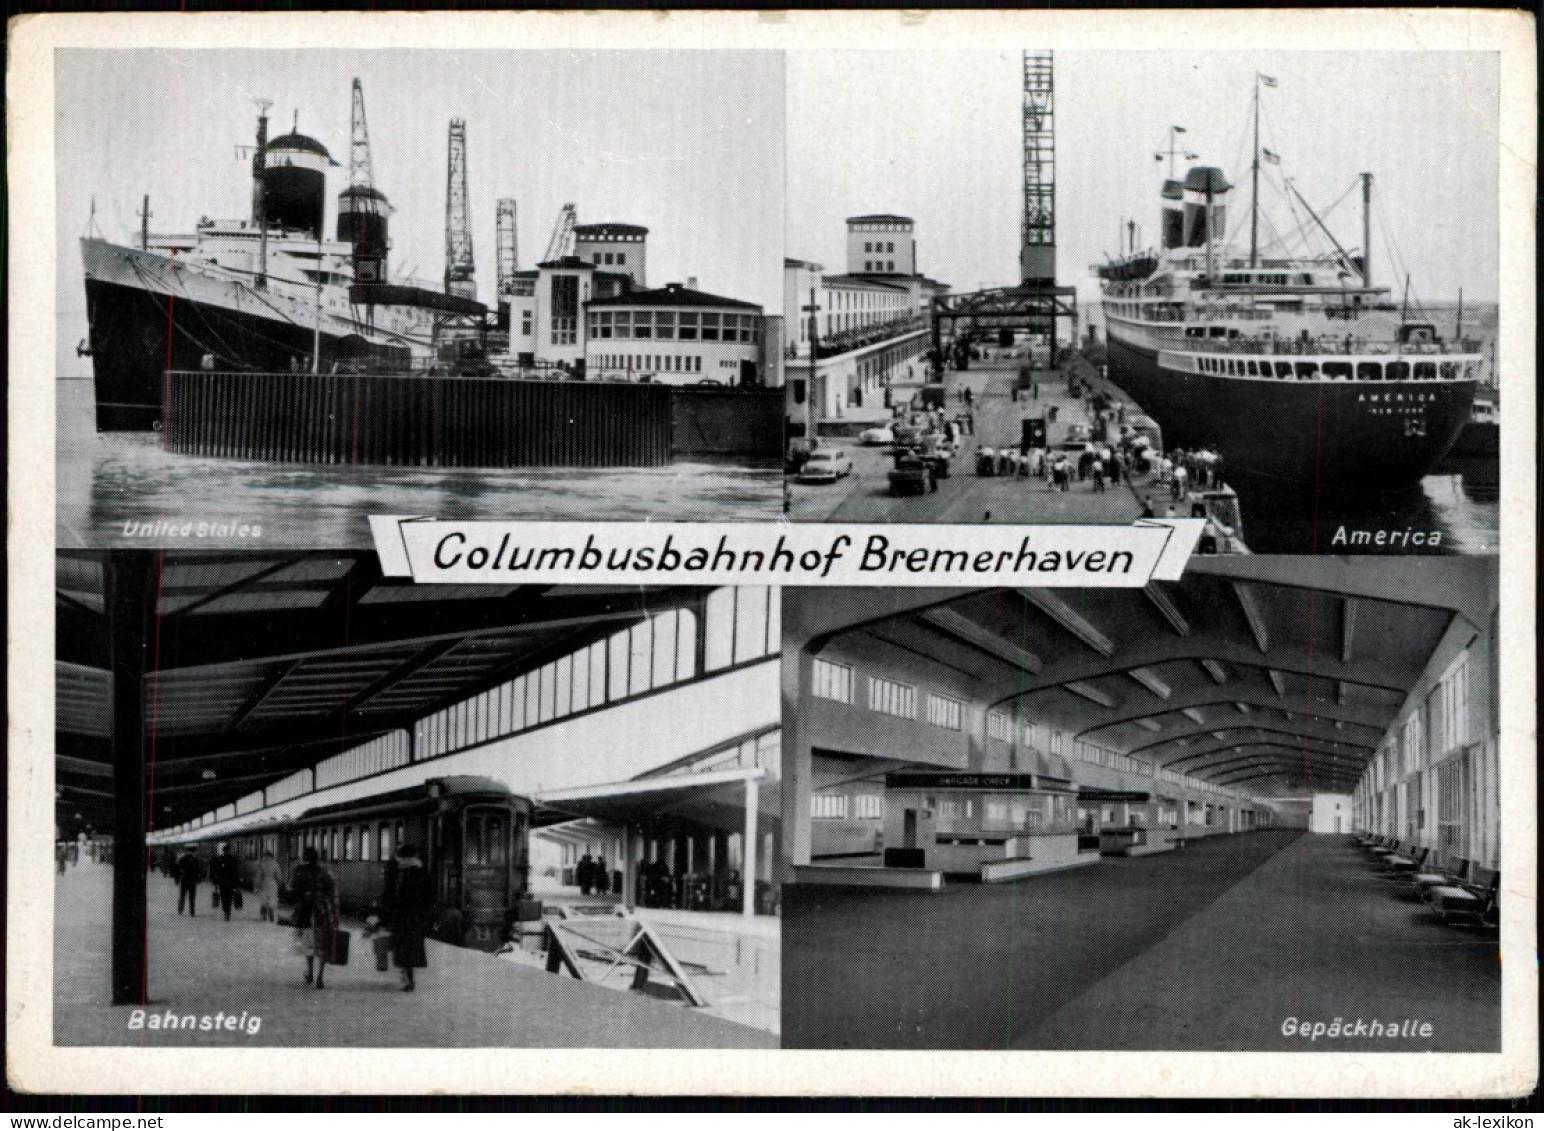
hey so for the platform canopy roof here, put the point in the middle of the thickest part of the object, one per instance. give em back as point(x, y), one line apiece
point(265, 663)
point(1269, 675)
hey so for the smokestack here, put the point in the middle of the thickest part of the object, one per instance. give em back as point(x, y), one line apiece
point(691, 282)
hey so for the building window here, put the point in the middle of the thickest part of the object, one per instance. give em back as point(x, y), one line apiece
point(868, 806)
point(565, 309)
point(665, 324)
point(831, 681)
point(999, 725)
point(525, 323)
point(621, 257)
point(891, 698)
point(828, 807)
point(943, 711)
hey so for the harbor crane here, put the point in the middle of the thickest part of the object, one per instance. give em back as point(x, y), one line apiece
point(361, 173)
point(562, 241)
point(460, 270)
point(508, 257)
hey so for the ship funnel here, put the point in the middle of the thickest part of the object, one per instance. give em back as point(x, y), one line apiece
point(294, 179)
point(1173, 214)
point(362, 221)
point(1204, 185)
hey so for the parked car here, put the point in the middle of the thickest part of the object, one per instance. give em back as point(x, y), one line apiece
point(826, 466)
point(911, 476)
point(876, 436)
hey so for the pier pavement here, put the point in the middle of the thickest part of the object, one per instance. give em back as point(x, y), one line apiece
point(964, 497)
point(204, 966)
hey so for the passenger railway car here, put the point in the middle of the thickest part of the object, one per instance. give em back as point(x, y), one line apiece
point(472, 831)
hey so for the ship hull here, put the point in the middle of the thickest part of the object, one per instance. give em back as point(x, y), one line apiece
point(139, 331)
point(1341, 437)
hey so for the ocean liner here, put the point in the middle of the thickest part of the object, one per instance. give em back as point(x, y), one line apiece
point(1294, 369)
point(266, 293)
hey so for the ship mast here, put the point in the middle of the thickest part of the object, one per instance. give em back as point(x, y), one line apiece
point(1254, 185)
point(1366, 229)
point(259, 191)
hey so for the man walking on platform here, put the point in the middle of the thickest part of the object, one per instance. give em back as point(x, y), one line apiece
point(224, 874)
point(187, 873)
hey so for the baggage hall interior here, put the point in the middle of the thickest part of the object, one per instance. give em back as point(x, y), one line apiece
point(589, 777)
point(1205, 815)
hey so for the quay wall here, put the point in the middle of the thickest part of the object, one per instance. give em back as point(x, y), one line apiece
point(443, 421)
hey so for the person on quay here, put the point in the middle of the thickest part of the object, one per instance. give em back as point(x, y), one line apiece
point(188, 872)
point(601, 876)
point(584, 874)
point(225, 874)
point(408, 912)
point(267, 884)
point(316, 915)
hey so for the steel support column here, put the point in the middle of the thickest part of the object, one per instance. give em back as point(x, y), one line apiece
point(130, 580)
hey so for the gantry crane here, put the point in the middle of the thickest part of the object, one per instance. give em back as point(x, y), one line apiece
point(460, 270)
point(562, 241)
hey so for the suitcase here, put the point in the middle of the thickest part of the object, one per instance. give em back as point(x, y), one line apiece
point(338, 953)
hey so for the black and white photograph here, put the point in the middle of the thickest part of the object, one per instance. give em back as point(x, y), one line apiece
point(296, 287)
point(1253, 810)
point(1089, 287)
point(747, 553)
point(302, 805)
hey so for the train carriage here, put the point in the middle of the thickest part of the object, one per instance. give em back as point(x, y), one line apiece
point(472, 832)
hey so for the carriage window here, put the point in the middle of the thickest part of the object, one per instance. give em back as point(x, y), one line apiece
point(1369, 370)
point(364, 842)
point(1398, 371)
point(334, 848)
point(400, 832)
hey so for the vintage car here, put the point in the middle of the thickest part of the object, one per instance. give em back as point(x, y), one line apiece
point(876, 436)
point(825, 466)
point(911, 476)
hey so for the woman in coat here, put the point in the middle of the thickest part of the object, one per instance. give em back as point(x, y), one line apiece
point(267, 884)
point(408, 907)
point(316, 915)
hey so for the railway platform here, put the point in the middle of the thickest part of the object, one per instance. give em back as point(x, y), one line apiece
point(204, 966)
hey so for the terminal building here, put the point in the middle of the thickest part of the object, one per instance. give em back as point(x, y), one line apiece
point(593, 312)
point(306, 701)
point(868, 329)
point(1166, 817)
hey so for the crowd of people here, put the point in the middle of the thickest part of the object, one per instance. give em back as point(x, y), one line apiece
point(399, 922)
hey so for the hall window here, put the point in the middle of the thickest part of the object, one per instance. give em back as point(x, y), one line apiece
point(710, 324)
point(831, 681)
point(643, 324)
point(868, 806)
point(828, 806)
point(565, 309)
point(891, 698)
point(999, 725)
point(686, 326)
point(665, 324)
point(601, 323)
point(943, 711)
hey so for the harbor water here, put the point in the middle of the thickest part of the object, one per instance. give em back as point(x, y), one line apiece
point(111, 485)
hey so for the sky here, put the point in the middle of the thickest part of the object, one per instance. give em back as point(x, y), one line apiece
point(937, 136)
point(688, 144)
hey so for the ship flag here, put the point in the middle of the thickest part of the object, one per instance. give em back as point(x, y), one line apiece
point(1273, 158)
point(1268, 80)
